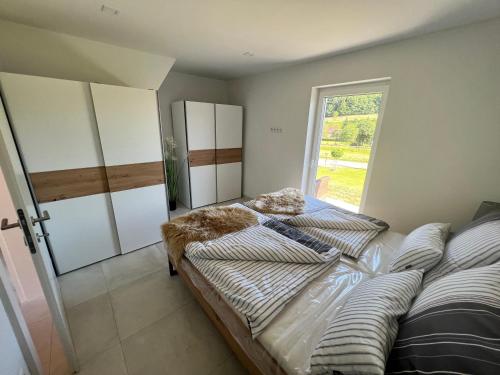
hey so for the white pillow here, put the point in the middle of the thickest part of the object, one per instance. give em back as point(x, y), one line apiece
point(476, 247)
point(422, 248)
point(359, 339)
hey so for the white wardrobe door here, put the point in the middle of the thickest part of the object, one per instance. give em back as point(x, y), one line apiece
point(55, 127)
point(54, 121)
point(228, 181)
point(129, 129)
point(81, 231)
point(139, 214)
point(203, 185)
point(229, 126)
point(200, 126)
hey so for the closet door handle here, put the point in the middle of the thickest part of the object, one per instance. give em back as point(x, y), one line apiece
point(45, 216)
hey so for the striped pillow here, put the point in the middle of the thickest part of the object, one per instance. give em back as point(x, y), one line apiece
point(453, 327)
point(360, 337)
point(422, 248)
point(476, 247)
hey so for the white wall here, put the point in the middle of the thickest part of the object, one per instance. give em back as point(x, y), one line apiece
point(180, 86)
point(439, 150)
point(34, 51)
point(12, 360)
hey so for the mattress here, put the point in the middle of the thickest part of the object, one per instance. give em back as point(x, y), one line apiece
point(292, 336)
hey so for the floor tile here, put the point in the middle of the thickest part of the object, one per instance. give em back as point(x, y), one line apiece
point(126, 268)
point(141, 303)
point(110, 362)
point(184, 342)
point(230, 366)
point(83, 284)
point(93, 327)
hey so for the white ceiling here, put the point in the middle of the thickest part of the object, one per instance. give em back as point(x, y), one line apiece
point(208, 37)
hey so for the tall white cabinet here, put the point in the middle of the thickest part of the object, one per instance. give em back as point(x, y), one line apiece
point(94, 158)
point(209, 147)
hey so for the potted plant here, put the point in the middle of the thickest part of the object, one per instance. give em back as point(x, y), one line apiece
point(172, 172)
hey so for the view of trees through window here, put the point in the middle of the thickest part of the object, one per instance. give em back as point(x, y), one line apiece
point(349, 124)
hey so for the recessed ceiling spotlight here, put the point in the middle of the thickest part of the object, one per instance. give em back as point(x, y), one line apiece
point(110, 11)
point(248, 54)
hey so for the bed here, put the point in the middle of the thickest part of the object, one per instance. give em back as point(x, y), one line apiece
point(287, 342)
point(285, 346)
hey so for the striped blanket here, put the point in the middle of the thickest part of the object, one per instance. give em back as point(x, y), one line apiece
point(347, 232)
point(258, 270)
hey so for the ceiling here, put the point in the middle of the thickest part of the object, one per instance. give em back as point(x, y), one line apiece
point(210, 37)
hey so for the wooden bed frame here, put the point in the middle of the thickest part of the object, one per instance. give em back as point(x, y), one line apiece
point(254, 357)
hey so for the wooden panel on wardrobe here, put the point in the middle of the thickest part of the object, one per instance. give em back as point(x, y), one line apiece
point(132, 176)
point(228, 155)
point(69, 183)
point(129, 130)
point(199, 158)
point(54, 124)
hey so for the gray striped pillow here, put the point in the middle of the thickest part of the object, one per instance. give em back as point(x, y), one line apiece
point(422, 248)
point(477, 247)
point(360, 337)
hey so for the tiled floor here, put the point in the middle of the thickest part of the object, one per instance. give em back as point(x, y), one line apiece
point(128, 316)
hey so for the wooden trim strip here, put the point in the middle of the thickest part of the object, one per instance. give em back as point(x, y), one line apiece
point(133, 176)
point(228, 155)
point(198, 158)
point(69, 183)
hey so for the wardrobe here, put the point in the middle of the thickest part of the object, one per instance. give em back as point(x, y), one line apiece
point(209, 152)
point(94, 160)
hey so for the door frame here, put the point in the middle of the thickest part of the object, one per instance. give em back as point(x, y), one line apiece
point(315, 127)
point(9, 172)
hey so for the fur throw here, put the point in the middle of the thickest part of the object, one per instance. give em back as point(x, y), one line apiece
point(285, 201)
point(202, 225)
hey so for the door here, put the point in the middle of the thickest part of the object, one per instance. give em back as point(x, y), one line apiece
point(228, 141)
point(129, 129)
point(200, 129)
point(54, 124)
point(342, 142)
point(30, 222)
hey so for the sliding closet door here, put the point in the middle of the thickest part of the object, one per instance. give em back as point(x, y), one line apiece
point(200, 128)
point(129, 130)
point(229, 132)
point(54, 124)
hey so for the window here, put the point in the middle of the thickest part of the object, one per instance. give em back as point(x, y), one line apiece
point(342, 142)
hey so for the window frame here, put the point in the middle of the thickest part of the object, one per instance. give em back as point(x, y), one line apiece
point(315, 128)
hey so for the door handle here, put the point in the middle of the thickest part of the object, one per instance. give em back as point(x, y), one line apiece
point(6, 225)
point(45, 216)
point(40, 236)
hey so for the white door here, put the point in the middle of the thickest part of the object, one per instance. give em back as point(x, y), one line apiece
point(28, 214)
point(200, 129)
point(129, 129)
point(54, 124)
point(229, 140)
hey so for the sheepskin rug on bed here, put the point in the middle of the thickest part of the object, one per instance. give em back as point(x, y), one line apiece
point(285, 201)
point(202, 225)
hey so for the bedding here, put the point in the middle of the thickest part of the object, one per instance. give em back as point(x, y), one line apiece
point(476, 247)
point(288, 201)
point(360, 338)
point(422, 248)
point(347, 232)
point(453, 327)
point(258, 270)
